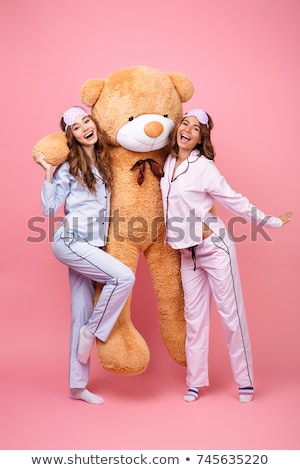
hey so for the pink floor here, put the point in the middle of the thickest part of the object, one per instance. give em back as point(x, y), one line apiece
point(146, 411)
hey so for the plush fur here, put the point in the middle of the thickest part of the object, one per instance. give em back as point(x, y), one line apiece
point(119, 102)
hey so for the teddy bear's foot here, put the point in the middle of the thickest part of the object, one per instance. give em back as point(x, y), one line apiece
point(124, 353)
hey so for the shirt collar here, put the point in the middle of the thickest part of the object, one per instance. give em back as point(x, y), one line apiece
point(194, 155)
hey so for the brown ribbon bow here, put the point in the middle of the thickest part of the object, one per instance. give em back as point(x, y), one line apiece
point(155, 167)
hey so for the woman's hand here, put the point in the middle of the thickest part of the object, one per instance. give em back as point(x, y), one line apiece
point(40, 159)
point(286, 217)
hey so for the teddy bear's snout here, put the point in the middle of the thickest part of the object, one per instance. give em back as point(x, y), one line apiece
point(145, 133)
point(153, 129)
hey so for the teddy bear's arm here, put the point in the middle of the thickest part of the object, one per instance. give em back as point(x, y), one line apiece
point(54, 147)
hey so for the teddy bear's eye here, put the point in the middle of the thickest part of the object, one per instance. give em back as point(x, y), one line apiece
point(131, 118)
point(166, 115)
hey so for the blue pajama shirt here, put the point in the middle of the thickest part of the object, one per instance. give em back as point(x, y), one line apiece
point(77, 242)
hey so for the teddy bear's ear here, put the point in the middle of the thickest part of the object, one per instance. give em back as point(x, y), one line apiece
point(183, 85)
point(91, 90)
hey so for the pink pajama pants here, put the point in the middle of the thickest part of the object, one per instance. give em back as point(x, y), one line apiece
point(89, 264)
point(217, 273)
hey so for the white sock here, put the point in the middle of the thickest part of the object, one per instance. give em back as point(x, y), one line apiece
point(85, 395)
point(191, 394)
point(86, 343)
point(246, 394)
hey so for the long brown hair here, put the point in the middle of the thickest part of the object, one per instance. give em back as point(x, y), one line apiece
point(79, 162)
point(205, 147)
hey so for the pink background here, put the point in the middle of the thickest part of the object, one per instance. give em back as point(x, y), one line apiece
point(243, 58)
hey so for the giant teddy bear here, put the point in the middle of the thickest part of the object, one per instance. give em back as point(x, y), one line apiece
point(137, 108)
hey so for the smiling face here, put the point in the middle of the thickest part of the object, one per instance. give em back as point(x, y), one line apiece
point(84, 130)
point(188, 134)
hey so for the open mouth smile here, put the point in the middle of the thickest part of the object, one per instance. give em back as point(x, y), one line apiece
point(185, 138)
point(89, 135)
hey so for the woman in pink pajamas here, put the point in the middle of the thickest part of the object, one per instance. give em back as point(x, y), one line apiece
point(83, 184)
point(189, 187)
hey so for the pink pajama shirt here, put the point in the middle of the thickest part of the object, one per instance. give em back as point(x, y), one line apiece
point(208, 266)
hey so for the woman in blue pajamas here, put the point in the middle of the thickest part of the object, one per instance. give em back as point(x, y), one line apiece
point(190, 185)
point(83, 184)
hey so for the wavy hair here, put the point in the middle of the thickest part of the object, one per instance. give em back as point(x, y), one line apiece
point(79, 162)
point(205, 147)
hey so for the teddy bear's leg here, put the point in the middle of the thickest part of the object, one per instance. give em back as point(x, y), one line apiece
point(164, 265)
point(125, 352)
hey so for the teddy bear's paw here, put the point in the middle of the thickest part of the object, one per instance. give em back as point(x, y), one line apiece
point(125, 352)
point(53, 147)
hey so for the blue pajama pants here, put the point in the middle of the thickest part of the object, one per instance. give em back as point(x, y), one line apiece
point(88, 265)
point(217, 274)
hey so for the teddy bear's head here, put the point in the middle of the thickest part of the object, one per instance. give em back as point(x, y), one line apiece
point(137, 106)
